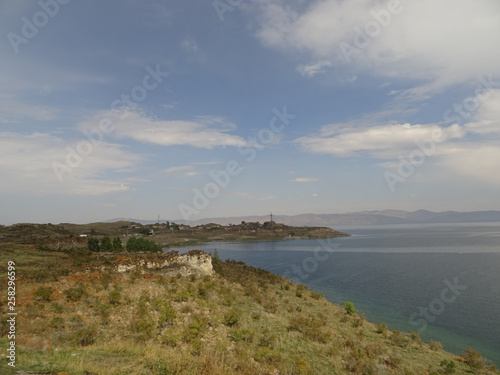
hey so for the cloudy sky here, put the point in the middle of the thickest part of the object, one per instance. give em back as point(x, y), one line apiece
point(193, 109)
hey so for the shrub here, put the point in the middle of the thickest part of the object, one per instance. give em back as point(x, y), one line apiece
point(399, 339)
point(195, 329)
point(84, 336)
point(57, 322)
point(300, 290)
point(473, 358)
point(142, 326)
point(310, 327)
point(381, 328)
point(166, 313)
point(448, 367)
point(182, 296)
point(76, 293)
point(114, 296)
point(349, 307)
point(43, 293)
point(231, 317)
point(267, 355)
point(315, 295)
point(243, 335)
point(435, 345)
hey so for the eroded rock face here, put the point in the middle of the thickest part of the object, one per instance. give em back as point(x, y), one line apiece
point(194, 262)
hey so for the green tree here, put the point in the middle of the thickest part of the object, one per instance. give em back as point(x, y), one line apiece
point(175, 226)
point(168, 224)
point(93, 245)
point(142, 244)
point(144, 231)
point(349, 307)
point(117, 244)
point(106, 245)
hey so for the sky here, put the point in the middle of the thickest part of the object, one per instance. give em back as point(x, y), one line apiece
point(192, 109)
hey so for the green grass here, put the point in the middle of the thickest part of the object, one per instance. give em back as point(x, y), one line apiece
point(241, 320)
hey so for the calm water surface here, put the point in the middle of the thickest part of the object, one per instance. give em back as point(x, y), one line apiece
point(440, 280)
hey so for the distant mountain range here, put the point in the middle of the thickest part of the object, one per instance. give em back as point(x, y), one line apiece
point(350, 219)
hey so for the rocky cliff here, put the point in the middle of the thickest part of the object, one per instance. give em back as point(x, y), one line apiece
point(195, 262)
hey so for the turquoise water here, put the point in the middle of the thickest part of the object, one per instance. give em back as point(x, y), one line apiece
point(442, 281)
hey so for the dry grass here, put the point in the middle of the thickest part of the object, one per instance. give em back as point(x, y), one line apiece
point(241, 320)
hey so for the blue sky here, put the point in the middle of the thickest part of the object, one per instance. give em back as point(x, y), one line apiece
point(193, 109)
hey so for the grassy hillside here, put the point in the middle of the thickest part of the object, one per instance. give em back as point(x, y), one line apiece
point(241, 320)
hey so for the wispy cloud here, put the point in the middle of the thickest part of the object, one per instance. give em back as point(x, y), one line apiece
point(401, 48)
point(304, 179)
point(204, 132)
point(26, 166)
point(471, 150)
point(310, 70)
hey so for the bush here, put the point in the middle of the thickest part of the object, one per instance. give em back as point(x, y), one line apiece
point(142, 326)
point(43, 293)
point(57, 322)
point(76, 293)
point(399, 339)
point(448, 367)
point(436, 345)
point(310, 327)
point(114, 296)
point(381, 328)
point(231, 317)
point(166, 313)
point(195, 329)
point(349, 307)
point(243, 335)
point(473, 358)
point(267, 355)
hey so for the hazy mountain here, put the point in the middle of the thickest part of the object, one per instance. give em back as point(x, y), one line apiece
point(352, 218)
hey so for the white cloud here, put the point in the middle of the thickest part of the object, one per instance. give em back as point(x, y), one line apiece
point(473, 161)
point(468, 153)
point(486, 120)
point(383, 141)
point(304, 179)
point(13, 110)
point(438, 43)
point(26, 165)
point(310, 70)
point(205, 132)
point(189, 45)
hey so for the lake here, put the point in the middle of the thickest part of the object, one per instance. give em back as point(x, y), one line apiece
point(441, 280)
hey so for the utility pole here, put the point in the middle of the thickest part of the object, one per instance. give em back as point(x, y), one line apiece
point(158, 219)
point(271, 217)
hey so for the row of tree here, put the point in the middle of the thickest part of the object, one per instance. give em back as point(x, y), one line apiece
point(106, 245)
